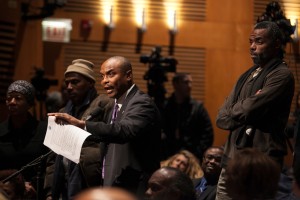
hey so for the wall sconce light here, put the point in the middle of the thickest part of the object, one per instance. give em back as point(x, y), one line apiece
point(143, 26)
point(107, 30)
point(173, 31)
point(172, 43)
point(139, 40)
point(295, 35)
point(174, 28)
point(140, 32)
point(111, 24)
point(106, 35)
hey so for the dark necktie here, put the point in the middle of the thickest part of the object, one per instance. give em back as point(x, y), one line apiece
point(113, 118)
point(114, 114)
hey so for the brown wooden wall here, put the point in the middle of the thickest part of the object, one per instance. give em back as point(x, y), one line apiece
point(211, 43)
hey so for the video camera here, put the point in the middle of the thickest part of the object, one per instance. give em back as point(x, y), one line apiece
point(42, 84)
point(156, 74)
point(158, 65)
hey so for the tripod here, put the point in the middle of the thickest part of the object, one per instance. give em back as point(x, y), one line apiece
point(35, 162)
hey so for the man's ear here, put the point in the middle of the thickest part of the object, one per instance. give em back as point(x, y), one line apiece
point(129, 74)
point(277, 44)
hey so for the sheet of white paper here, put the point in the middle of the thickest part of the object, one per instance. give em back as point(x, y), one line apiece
point(65, 140)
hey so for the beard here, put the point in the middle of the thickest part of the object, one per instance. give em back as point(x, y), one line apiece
point(257, 59)
point(260, 59)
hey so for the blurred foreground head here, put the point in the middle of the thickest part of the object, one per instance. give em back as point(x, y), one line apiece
point(168, 183)
point(252, 174)
point(106, 193)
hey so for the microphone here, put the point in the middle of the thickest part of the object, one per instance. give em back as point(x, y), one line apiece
point(93, 114)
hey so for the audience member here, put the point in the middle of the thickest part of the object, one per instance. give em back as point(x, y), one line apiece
point(54, 102)
point(252, 174)
point(65, 178)
point(285, 185)
point(257, 110)
point(64, 94)
point(15, 188)
point(106, 193)
point(187, 124)
point(3, 196)
point(206, 186)
point(186, 162)
point(296, 184)
point(133, 135)
point(21, 135)
point(170, 183)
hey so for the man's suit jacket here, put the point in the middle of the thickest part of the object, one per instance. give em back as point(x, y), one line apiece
point(133, 142)
point(209, 193)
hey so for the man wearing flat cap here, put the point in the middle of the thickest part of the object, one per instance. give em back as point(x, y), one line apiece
point(21, 135)
point(66, 178)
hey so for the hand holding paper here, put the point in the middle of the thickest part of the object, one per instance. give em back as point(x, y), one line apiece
point(62, 118)
point(65, 140)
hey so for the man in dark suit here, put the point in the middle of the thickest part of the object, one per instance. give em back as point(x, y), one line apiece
point(133, 133)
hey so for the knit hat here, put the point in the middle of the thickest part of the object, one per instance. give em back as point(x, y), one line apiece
point(83, 67)
point(23, 87)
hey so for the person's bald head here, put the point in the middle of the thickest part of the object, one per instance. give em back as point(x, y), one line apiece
point(116, 76)
point(106, 193)
point(124, 63)
point(170, 183)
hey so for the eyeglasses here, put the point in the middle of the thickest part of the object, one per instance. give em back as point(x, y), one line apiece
point(210, 157)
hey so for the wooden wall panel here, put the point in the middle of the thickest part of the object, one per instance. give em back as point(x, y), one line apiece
point(7, 55)
point(214, 30)
point(190, 9)
point(210, 31)
point(190, 60)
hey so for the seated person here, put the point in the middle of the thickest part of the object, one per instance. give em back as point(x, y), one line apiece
point(15, 187)
point(108, 193)
point(252, 174)
point(207, 185)
point(296, 183)
point(21, 134)
point(168, 183)
point(186, 162)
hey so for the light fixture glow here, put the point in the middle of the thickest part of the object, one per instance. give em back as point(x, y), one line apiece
point(294, 22)
point(174, 27)
point(140, 7)
point(111, 22)
point(108, 13)
point(172, 12)
point(143, 25)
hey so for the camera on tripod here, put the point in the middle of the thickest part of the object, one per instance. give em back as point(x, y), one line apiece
point(158, 65)
point(42, 84)
point(156, 74)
